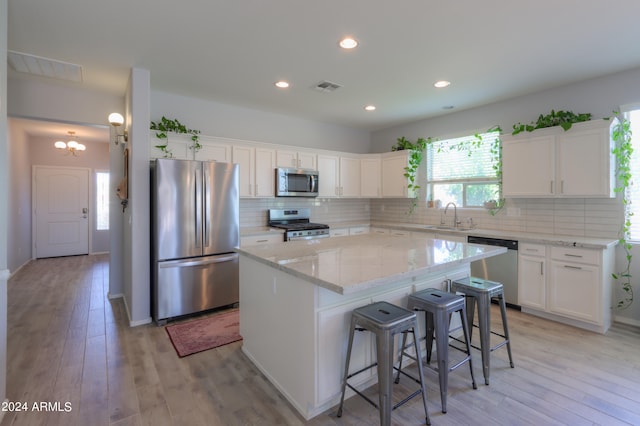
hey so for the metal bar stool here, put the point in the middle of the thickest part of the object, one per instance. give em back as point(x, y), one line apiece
point(477, 290)
point(438, 307)
point(384, 320)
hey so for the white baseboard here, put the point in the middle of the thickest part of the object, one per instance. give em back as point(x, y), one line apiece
point(114, 296)
point(628, 321)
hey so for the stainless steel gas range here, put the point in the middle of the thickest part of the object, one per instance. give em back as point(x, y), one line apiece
point(297, 225)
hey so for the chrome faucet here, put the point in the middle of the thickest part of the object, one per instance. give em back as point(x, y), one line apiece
point(455, 213)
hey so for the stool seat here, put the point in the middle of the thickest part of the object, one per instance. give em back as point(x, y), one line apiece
point(479, 291)
point(438, 306)
point(383, 315)
point(385, 320)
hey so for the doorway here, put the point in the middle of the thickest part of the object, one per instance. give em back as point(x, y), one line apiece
point(60, 211)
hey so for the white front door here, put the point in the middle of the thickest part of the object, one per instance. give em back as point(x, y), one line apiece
point(60, 211)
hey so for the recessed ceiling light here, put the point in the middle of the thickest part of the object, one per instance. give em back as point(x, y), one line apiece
point(370, 108)
point(348, 43)
point(281, 84)
point(441, 83)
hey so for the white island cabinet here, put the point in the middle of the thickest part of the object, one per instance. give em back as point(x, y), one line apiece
point(296, 300)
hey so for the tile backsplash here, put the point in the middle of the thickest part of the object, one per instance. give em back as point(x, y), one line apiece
point(600, 218)
point(253, 212)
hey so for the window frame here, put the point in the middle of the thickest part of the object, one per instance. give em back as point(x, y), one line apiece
point(469, 144)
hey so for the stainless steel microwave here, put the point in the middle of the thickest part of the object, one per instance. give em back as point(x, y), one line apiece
point(292, 182)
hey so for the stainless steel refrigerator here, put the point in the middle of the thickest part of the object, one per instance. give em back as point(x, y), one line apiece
point(195, 228)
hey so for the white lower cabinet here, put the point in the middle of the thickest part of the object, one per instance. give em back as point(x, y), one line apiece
point(339, 232)
point(566, 284)
point(532, 289)
point(574, 291)
point(254, 240)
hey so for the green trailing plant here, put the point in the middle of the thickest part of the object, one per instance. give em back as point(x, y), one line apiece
point(560, 118)
point(416, 154)
point(496, 160)
point(165, 125)
point(621, 134)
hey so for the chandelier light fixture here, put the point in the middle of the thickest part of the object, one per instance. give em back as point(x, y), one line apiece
point(72, 146)
point(117, 120)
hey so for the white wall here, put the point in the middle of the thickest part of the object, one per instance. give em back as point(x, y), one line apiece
point(137, 227)
point(19, 206)
point(4, 201)
point(599, 96)
point(216, 119)
point(48, 100)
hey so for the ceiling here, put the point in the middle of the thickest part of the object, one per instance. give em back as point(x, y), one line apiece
point(233, 51)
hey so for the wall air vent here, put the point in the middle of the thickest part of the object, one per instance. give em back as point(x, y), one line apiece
point(327, 86)
point(36, 65)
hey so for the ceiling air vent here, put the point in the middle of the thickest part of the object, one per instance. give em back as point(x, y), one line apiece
point(327, 86)
point(45, 67)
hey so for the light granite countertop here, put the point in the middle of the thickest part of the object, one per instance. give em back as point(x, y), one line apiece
point(351, 264)
point(526, 237)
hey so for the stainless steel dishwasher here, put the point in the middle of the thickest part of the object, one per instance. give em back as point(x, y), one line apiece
point(502, 268)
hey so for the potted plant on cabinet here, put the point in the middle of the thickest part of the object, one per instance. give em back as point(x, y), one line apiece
point(165, 125)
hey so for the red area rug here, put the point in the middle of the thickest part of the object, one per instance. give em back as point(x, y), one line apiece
point(207, 333)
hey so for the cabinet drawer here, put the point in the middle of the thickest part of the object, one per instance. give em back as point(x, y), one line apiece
point(357, 230)
point(591, 257)
point(261, 239)
point(530, 249)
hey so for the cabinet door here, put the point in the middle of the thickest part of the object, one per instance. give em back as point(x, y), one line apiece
point(349, 177)
point(528, 166)
point(276, 237)
point(286, 158)
point(394, 182)
point(585, 163)
point(370, 177)
point(265, 166)
point(574, 291)
point(532, 282)
point(307, 160)
point(341, 232)
point(178, 147)
point(245, 158)
point(214, 152)
point(328, 170)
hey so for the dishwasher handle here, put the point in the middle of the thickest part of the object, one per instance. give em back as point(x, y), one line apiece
point(499, 242)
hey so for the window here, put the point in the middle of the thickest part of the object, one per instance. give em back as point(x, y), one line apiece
point(102, 201)
point(463, 170)
point(634, 191)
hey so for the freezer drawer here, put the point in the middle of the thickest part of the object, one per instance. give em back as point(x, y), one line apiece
point(193, 285)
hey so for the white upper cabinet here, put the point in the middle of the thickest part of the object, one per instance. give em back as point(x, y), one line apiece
point(370, 176)
point(244, 156)
point(339, 176)
point(265, 172)
point(349, 177)
point(394, 182)
point(329, 176)
point(214, 150)
point(180, 147)
point(297, 159)
point(257, 171)
point(554, 163)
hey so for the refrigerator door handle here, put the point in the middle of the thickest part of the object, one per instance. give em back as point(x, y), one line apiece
point(198, 206)
point(206, 210)
point(199, 261)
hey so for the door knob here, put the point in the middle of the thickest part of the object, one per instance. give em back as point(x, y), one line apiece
point(85, 210)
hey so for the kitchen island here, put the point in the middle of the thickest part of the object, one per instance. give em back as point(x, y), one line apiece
point(296, 298)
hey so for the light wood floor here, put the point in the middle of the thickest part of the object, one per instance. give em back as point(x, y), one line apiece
point(68, 343)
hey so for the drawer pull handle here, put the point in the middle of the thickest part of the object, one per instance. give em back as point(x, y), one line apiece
point(261, 241)
point(572, 267)
point(572, 255)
